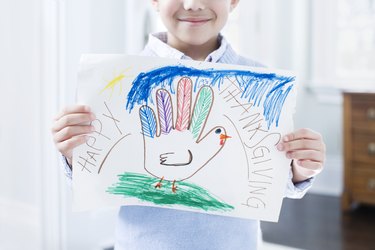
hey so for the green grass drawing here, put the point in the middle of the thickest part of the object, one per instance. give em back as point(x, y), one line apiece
point(189, 195)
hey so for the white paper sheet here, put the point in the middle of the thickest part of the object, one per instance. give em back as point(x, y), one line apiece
point(184, 135)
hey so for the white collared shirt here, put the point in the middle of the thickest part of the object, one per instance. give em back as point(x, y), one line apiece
point(157, 46)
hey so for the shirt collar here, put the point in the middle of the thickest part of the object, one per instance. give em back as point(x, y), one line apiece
point(157, 42)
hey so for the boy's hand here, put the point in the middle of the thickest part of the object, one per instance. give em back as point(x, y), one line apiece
point(307, 150)
point(70, 127)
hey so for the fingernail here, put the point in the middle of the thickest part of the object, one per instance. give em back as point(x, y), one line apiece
point(288, 155)
point(280, 146)
point(285, 138)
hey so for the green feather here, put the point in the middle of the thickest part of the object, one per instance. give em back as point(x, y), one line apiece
point(201, 110)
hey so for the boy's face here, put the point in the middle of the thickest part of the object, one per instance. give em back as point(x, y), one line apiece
point(194, 22)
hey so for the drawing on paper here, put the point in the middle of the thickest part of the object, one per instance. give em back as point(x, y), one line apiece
point(116, 81)
point(166, 160)
point(266, 89)
point(169, 165)
point(189, 195)
point(187, 135)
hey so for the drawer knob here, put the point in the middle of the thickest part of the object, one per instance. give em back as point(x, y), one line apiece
point(371, 184)
point(371, 113)
point(371, 148)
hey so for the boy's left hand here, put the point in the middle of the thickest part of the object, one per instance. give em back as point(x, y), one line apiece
point(307, 150)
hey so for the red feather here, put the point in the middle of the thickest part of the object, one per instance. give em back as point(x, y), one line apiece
point(184, 92)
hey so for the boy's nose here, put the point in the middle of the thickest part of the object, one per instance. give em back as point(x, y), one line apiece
point(193, 5)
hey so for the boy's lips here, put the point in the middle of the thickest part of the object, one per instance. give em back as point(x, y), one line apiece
point(194, 20)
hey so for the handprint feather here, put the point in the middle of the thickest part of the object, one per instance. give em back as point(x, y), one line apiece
point(148, 121)
point(196, 147)
point(184, 90)
point(164, 103)
point(202, 108)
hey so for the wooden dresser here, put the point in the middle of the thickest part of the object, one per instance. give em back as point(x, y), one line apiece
point(359, 149)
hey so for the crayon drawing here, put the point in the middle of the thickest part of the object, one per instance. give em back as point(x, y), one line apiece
point(185, 135)
point(189, 195)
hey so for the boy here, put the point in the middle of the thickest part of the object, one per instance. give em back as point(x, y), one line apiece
point(193, 33)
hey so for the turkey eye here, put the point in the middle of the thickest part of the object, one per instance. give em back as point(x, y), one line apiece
point(218, 131)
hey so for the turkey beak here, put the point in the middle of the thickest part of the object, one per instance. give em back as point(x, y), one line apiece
point(223, 137)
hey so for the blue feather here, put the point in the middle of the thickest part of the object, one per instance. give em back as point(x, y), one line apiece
point(148, 121)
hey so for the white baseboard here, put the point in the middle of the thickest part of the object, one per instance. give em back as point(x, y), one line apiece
point(330, 180)
point(272, 246)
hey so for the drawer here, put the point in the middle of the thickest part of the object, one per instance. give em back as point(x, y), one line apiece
point(363, 147)
point(363, 185)
point(363, 112)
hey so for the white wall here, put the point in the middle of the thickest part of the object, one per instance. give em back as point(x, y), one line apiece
point(21, 123)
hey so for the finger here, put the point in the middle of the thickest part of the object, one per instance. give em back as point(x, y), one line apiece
point(165, 112)
point(305, 169)
point(310, 165)
point(202, 108)
point(303, 133)
point(72, 119)
point(312, 155)
point(148, 121)
point(301, 144)
point(66, 147)
point(73, 109)
point(184, 93)
point(68, 132)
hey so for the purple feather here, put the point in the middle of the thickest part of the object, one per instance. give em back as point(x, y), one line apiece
point(165, 114)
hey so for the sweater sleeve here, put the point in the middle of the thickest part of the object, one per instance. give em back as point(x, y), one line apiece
point(297, 190)
point(66, 169)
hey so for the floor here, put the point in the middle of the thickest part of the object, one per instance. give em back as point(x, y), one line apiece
point(316, 222)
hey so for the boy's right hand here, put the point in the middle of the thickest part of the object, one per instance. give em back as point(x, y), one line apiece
point(70, 128)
